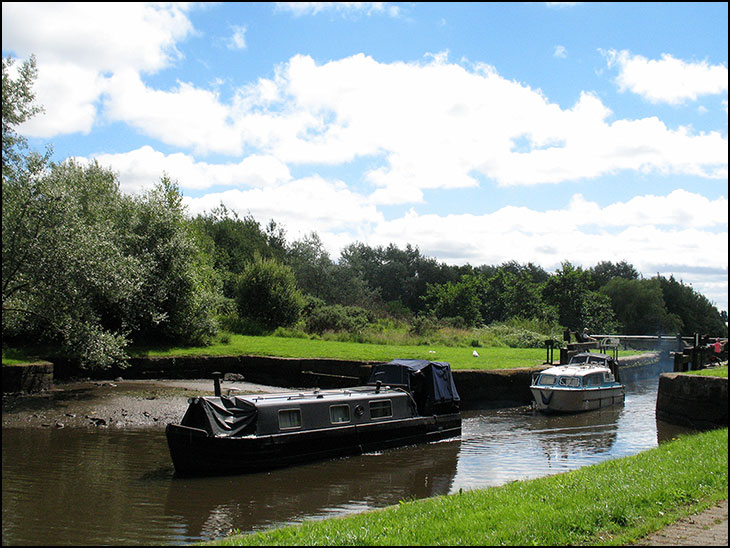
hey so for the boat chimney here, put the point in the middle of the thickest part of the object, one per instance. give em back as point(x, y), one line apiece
point(217, 383)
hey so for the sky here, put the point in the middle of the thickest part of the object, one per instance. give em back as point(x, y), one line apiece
point(479, 133)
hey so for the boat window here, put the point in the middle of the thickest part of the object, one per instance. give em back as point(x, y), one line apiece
point(547, 379)
point(569, 381)
point(596, 379)
point(381, 408)
point(290, 418)
point(339, 414)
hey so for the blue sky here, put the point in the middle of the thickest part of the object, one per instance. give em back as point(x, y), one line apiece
point(479, 132)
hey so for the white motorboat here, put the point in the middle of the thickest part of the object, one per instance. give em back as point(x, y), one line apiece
point(588, 381)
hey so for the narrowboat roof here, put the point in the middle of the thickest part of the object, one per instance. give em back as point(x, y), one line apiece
point(317, 396)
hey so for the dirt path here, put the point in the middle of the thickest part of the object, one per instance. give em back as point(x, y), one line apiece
point(708, 528)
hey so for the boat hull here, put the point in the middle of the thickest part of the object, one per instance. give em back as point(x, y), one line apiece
point(571, 400)
point(194, 452)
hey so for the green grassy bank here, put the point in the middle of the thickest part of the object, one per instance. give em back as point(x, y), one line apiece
point(458, 357)
point(612, 503)
point(712, 372)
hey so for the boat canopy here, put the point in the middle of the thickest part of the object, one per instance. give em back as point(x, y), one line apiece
point(221, 415)
point(430, 383)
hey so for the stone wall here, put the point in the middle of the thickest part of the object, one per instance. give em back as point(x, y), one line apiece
point(32, 377)
point(692, 400)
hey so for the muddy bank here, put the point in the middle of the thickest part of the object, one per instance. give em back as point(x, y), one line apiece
point(113, 404)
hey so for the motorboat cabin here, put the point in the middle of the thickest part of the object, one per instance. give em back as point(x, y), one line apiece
point(405, 402)
point(588, 381)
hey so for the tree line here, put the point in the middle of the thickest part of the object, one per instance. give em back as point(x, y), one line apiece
point(92, 270)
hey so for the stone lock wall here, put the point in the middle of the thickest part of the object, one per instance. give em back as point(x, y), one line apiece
point(692, 400)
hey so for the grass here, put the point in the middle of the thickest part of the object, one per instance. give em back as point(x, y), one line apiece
point(458, 357)
point(611, 503)
point(712, 372)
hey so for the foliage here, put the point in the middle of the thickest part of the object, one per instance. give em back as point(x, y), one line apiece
point(267, 294)
point(462, 299)
point(87, 268)
point(640, 308)
point(17, 107)
point(351, 319)
point(568, 289)
point(233, 242)
point(92, 270)
point(695, 312)
point(605, 271)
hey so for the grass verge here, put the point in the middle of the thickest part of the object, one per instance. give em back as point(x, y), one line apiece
point(612, 503)
point(712, 372)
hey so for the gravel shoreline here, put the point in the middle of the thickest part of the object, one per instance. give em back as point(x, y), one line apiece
point(113, 404)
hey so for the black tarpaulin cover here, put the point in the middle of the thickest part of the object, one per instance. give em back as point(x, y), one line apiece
point(439, 382)
point(221, 416)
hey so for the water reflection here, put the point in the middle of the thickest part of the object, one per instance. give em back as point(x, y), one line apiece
point(88, 487)
point(310, 491)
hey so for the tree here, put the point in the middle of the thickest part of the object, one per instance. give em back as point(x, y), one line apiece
point(63, 268)
point(696, 312)
point(312, 267)
point(605, 271)
point(462, 299)
point(17, 107)
point(639, 307)
point(85, 268)
point(268, 295)
point(567, 289)
point(233, 242)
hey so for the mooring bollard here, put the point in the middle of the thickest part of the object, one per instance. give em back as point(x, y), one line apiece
point(217, 383)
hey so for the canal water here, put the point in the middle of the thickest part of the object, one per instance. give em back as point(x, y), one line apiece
point(80, 487)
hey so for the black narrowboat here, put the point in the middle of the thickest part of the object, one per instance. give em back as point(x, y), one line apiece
point(404, 402)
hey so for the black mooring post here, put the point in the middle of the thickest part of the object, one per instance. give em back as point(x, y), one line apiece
point(217, 383)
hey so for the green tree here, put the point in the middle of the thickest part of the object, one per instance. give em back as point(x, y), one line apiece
point(233, 242)
point(312, 267)
point(267, 294)
point(462, 299)
point(567, 290)
point(639, 307)
point(696, 313)
point(63, 267)
point(17, 107)
point(605, 271)
point(179, 292)
point(85, 268)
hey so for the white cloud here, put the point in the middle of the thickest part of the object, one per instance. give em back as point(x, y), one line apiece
point(100, 36)
point(313, 8)
point(187, 116)
point(238, 38)
point(140, 169)
point(78, 45)
point(301, 205)
point(668, 80)
point(560, 52)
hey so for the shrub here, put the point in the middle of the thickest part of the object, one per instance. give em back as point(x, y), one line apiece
point(267, 295)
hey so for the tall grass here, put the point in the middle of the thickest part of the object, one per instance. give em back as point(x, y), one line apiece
point(611, 503)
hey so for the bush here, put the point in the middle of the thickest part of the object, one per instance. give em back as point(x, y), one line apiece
point(267, 295)
point(351, 319)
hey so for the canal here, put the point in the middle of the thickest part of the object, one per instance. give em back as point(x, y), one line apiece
point(78, 486)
